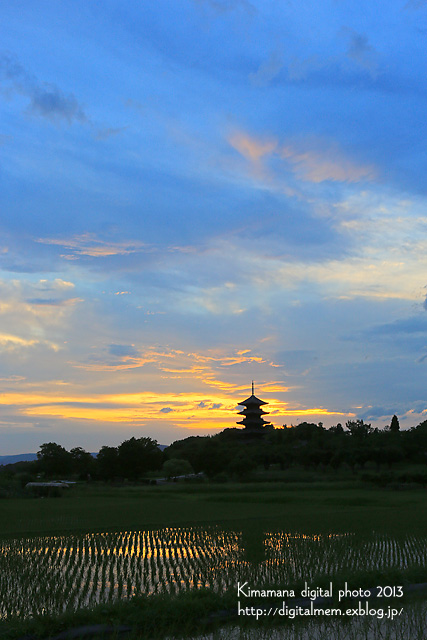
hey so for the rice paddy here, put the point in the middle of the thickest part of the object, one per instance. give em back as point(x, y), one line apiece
point(53, 574)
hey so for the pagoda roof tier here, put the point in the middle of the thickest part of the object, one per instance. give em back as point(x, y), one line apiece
point(257, 423)
point(253, 400)
point(253, 412)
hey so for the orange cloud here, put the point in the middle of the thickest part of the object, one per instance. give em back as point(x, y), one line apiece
point(126, 362)
point(10, 342)
point(251, 148)
point(312, 161)
point(201, 366)
point(327, 164)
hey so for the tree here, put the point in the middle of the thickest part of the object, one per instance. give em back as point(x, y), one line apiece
point(137, 456)
point(337, 429)
point(190, 449)
point(242, 465)
point(394, 425)
point(54, 460)
point(359, 429)
point(82, 461)
point(215, 456)
point(391, 455)
point(107, 463)
point(176, 467)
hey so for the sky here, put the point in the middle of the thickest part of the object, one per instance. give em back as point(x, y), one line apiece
point(195, 194)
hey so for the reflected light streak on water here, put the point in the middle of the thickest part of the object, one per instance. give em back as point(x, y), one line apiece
point(60, 572)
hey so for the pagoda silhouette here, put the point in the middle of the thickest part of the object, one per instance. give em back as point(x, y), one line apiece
point(253, 421)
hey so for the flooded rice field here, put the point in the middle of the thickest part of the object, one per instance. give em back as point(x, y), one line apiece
point(58, 573)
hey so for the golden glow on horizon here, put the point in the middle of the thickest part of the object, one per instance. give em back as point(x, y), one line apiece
point(210, 404)
point(192, 410)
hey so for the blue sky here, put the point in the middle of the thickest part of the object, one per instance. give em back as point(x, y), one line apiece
point(200, 193)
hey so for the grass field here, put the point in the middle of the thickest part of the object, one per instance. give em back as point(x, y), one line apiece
point(298, 507)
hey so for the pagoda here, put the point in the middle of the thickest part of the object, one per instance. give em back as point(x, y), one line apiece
point(253, 420)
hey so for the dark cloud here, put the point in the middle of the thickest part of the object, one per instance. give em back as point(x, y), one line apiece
point(166, 410)
point(361, 51)
point(135, 104)
point(416, 324)
point(46, 100)
point(417, 407)
point(51, 103)
point(213, 405)
point(372, 413)
point(54, 302)
point(122, 350)
point(11, 69)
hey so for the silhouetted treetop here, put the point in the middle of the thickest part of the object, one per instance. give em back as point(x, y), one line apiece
point(394, 425)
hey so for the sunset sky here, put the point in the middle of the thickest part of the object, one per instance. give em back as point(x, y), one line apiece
point(196, 194)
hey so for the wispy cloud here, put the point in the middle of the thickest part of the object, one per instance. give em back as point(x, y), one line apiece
point(329, 163)
point(299, 69)
point(88, 245)
point(32, 311)
point(13, 379)
point(415, 4)
point(318, 161)
point(109, 132)
point(384, 259)
point(359, 51)
point(201, 366)
point(22, 292)
point(251, 148)
point(224, 6)
point(268, 70)
point(10, 342)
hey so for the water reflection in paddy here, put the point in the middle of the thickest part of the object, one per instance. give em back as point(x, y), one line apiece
point(72, 571)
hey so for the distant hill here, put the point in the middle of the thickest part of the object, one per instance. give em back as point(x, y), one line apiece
point(20, 457)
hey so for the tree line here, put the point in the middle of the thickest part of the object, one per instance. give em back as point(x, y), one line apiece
point(235, 454)
point(307, 445)
point(132, 459)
